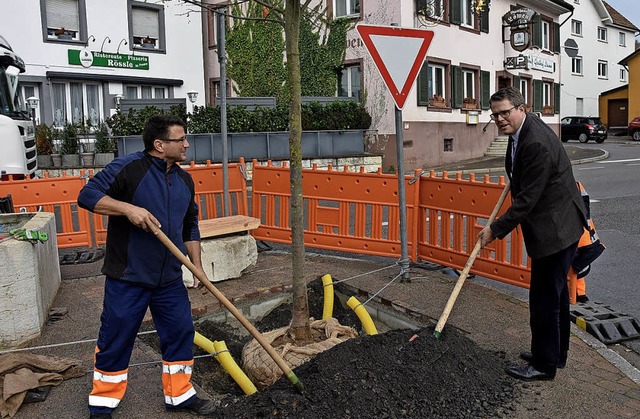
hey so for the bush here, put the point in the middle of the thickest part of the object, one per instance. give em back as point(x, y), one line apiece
point(339, 115)
point(104, 144)
point(69, 139)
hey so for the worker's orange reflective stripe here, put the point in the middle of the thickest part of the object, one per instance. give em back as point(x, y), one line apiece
point(108, 388)
point(176, 381)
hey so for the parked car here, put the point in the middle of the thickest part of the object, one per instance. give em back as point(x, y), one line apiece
point(634, 128)
point(583, 129)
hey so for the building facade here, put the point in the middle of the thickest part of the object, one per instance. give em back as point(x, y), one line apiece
point(84, 56)
point(474, 52)
point(595, 38)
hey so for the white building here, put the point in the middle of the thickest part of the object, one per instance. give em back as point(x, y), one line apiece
point(603, 37)
point(83, 56)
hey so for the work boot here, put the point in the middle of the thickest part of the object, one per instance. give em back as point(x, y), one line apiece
point(100, 416)
point(582, 299)
point(198, 406)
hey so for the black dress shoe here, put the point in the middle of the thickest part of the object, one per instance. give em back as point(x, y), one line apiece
point(526, 372)
point(528, 356)
point(100, 416)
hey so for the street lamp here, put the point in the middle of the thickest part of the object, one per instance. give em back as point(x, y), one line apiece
point(33, 104)
point(117, 99)
point(193, 96)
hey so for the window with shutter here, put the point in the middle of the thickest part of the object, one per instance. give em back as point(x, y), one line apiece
point(147, 25)
point(556, 98)
point(455, 12)
point(64, 19)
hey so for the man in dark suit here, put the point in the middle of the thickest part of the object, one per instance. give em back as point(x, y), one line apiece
point(548, 207)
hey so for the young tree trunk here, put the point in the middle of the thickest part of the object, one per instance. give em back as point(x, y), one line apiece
point(300, 323)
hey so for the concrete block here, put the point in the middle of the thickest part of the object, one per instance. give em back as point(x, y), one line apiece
point(29, 278)
point(225, 257)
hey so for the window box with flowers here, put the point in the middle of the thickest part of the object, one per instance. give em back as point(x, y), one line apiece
point(547, 110)
point(437, 101)
point(469, 103)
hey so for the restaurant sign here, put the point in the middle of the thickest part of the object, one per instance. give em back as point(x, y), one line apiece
point(87, 59)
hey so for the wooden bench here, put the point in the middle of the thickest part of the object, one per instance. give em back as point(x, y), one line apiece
point(222, 226)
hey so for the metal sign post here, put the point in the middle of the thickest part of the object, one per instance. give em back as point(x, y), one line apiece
point(398, 53)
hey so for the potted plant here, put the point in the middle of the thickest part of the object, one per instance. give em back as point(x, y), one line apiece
point(148, 42)
point(44, 145)
point(56, 145)
point(69, 147)
point(469, 103)
point(62, 33)
point(86, 145)
point(547, 110)
point(105, 146)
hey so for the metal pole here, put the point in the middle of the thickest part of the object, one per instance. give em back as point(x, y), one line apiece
point(222, 19)
point(402, 201)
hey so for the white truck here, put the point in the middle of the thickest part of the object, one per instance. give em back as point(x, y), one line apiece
point(17, 132)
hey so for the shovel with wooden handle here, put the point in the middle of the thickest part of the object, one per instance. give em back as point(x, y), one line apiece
point(236, 313)
point(467, 267)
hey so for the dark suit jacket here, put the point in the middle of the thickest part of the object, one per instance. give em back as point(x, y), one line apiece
point(545, 199)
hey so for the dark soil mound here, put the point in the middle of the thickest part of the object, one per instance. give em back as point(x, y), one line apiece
point(400, 373)
point(389, 375)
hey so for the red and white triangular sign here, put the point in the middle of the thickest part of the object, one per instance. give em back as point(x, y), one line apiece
point(398, 53)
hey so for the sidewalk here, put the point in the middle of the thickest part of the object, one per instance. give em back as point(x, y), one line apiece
point(596, 382)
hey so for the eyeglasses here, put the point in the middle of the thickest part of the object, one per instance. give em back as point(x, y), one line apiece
point(504, 114)
point(175, 140)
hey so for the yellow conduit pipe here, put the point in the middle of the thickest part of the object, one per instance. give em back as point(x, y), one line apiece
point(223, 356)
point(363, 315)
point(327, 286)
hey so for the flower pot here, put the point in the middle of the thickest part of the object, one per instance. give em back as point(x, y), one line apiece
point(56, 160)
point(469, 106)
point(102, 159)
point(87, 159)
point(70, 160)
point(44, 160)
point(437, 103)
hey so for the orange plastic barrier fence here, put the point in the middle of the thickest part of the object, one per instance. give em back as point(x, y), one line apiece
point(347, 211)
point(358, 212)
point(79, 228)
point(56, 195)
point(452, 212)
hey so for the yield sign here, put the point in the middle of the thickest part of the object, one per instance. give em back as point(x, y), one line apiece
point(398, 53)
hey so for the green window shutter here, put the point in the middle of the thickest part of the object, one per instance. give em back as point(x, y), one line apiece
point(484, 21)
point(516, 83)
point(537, 95)
point(455, 12)
point(556, 98)
point(485, 89)
point(456, 86)
point(536, 29)
point(556, 38)
point(423, 86)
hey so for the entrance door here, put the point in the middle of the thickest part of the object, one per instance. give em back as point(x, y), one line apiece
point(618, 113)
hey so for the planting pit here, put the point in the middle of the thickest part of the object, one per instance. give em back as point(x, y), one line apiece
point(397, 373)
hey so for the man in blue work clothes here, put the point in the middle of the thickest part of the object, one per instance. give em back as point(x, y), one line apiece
point(140, 193)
